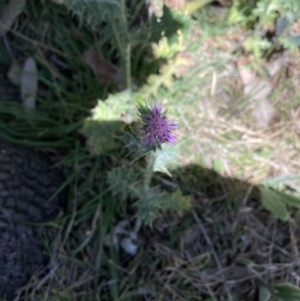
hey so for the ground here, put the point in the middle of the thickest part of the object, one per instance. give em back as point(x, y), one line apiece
point(227, 246)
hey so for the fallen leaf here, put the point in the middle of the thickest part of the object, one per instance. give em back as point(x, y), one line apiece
point(14, 73)
point(10, 14)
point(175, 3)
point(263, 113)
point(105, 71)
point(29, 84)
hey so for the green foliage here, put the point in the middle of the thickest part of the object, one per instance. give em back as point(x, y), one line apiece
point(131, 142)
point(122, 181)
point(95, 11)
point(277, 202)
point(257, 14)
point(102, 128)
point(264, 294)
point(151, 203)
point(164, 78)
point(175, 202)
point(126, 183)
point(108, 126)
point(164, 158)
point(286, 292)
point(115, 20)
point(281, 292)
point(257, 45)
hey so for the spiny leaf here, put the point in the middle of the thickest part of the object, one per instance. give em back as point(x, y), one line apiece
point(106, 121)
point(163, 49)
point(175, 202)
point(95, 11)
point(148, 205)
point(121, 181)
point(266, 11)
point(151, 203)
point(165, 78)
point(101, 135)
point(256, 45)
point(131, 142)
point(164, 158)
point(192, 6)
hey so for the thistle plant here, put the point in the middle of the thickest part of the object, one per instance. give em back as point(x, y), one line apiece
point(156, 143)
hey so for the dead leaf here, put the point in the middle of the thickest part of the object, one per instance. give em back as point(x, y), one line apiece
point(14, 73)
point(105, 71)
point(263, 113)
point(29, 84)
point(10, 14)
point(175, 3)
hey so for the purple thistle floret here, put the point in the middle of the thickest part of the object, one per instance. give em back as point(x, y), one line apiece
point(158, 129)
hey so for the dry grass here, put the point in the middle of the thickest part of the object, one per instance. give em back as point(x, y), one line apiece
point(228, 245)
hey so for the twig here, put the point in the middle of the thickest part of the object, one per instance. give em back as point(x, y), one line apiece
point(215, 256)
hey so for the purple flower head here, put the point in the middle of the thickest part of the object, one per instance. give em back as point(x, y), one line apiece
point(158, 129)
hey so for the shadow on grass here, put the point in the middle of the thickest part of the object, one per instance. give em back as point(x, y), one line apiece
point(226, 246)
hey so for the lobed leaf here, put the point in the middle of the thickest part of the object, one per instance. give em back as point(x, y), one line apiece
point(121, 182)
point(164, 158)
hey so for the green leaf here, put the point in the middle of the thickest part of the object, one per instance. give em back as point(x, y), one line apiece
point(164, 158)
point(281, 180)
point(256, 45)
point(106, 122)
point(101, 135)
point(264, 294)
point(121, 182)
point(175, 202)
point(276, 201)
point(151, 203)
point(131, 141)
point(266, 11)
point(95, 11)
point(287, 292)
point(148, 205)
point(273, 203)
point(114, 107)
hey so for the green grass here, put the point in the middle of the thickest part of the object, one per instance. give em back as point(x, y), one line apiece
point(222, 154)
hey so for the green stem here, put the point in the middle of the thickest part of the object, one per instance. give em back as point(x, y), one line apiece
point(128, 66)
point(126, 49)
point(150, 158)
